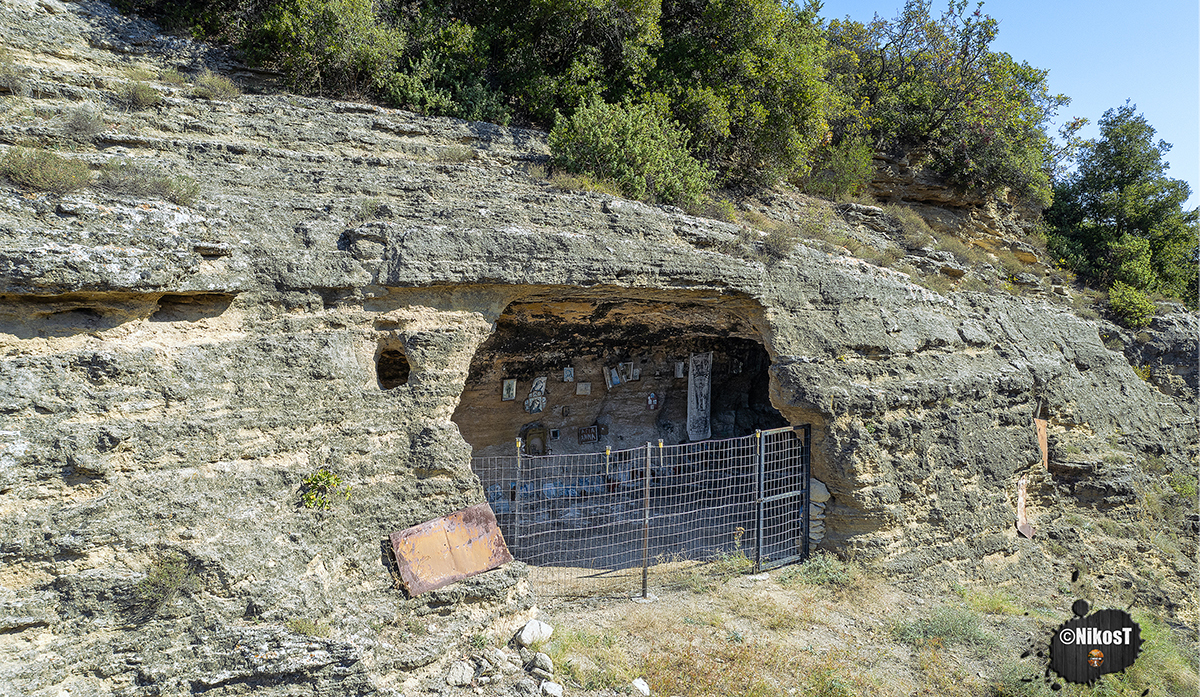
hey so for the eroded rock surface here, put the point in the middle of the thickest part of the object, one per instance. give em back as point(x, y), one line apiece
point(171, 374)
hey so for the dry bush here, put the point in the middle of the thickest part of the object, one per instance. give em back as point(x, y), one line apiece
point(210, 85)
point(138, 95)
point(43, 170)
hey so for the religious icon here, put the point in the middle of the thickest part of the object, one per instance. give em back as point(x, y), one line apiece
point(509, 392)
point(652, 402)
point(569, 374)
point(678, 369)
point(583, 388)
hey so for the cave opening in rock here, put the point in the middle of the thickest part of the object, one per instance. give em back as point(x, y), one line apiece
point(584, 374)
point(391, 366)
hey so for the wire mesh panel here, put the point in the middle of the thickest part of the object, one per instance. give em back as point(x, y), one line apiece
point(596, 515)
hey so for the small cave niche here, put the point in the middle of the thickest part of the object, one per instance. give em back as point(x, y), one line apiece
point(546, 376)
point(391, 365)
point(190, 308)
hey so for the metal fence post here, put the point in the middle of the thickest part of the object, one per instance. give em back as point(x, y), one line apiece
point(519, 542)
point(758, 499)
point(806, 467)
point(646, 525)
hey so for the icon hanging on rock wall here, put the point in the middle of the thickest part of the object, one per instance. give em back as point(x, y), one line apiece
point(652, 402)
point(537, 397)
point(583, 388)
point(589, 434)
point(509, 393)
point(569, 374)
point(678, 369)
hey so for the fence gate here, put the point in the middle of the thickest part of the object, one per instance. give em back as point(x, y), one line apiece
point(610, 515)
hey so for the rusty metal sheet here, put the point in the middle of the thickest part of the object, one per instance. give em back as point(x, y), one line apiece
point(1040, 424)
point(1022, 521)
point(439, 552)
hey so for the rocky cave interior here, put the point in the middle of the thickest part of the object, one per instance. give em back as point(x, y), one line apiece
point(648, 342)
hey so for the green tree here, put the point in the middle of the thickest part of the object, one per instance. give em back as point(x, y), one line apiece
point(746, 78)
point(932, 86)
point(1120, 218)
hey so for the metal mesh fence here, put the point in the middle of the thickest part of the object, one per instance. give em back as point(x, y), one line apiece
point(607, 519)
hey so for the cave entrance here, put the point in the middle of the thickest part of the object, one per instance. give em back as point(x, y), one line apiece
point(579, 376)
point(597, 394)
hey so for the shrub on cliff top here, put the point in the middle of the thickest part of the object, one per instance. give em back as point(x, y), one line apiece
point(633, 146)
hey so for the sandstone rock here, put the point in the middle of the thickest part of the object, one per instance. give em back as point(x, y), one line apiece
point(541, 660)
point(818, 492)
point(552, 689)
point(461, 673)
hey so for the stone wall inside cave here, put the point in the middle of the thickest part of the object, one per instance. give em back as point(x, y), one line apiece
point(590, 336)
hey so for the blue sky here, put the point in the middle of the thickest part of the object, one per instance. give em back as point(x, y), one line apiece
point(1100, 53)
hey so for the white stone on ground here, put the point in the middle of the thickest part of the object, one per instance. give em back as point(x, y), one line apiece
point(534, 632)
point(460, 674)
point(552, 688)
point(641, 686)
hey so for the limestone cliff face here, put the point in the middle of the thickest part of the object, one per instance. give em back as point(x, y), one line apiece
point(170, 374)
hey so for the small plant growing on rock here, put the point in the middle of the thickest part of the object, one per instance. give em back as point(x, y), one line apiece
point(84, 120)
point(12, 76)
point(1130, 305)
point(210, 85)
point(320, 488)
point(43, 170)
point(307, 627)
point(168, 577)
point(123, 176)
point(138, 95)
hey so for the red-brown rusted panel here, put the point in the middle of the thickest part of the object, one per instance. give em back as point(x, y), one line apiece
point(1040, 424)
point(439, 552)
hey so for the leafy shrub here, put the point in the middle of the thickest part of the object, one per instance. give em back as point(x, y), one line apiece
point(327, 46)
point(839, 171)
point(123, 176)
point(209, 85)
point(633, 146)
point(138, 95)
point(43, 170)
point(320, 487)
point(1130, 305)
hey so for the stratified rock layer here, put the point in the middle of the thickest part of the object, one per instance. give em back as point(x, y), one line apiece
point(171, 374)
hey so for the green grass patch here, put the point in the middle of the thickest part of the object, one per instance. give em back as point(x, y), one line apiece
point(591, 659)
point(995, 602)
point(820, 569)
point(948, 625)
point(303, 625)
point(43, 170)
